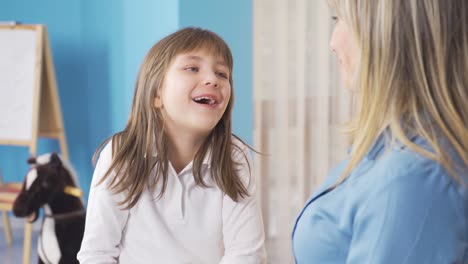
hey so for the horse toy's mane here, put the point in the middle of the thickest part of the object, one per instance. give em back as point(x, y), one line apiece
point(51, 183)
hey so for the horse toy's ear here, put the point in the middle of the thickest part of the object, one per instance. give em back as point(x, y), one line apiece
point(55, 160)
point(32, 160)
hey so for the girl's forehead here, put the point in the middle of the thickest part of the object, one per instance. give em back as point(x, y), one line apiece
point(205, 52)
point(199, 55)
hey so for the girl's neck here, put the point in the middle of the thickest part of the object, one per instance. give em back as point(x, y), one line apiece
point(182, 150)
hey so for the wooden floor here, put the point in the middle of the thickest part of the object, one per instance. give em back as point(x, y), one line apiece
point(14, 254)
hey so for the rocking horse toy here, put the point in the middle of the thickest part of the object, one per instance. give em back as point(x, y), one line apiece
point(51, 184)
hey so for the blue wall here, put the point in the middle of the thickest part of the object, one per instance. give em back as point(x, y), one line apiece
point(97, 48)
point(117, 35)
point(65, 27)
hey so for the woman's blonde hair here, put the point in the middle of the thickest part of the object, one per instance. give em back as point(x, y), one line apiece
point(412, 75)
point(142, 146)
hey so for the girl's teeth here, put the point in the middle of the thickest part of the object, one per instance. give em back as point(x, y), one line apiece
point(205, 100)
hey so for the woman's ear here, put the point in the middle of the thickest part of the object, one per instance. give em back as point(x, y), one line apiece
point(157, 102)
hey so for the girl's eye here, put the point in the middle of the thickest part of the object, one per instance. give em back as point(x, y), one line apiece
point(222, 74)
point(193, 69)
point(335, 19)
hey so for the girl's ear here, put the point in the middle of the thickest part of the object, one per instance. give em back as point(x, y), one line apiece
point(157, 102)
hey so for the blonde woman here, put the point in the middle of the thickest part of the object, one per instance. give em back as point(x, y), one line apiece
point(175, 185)
point(401, 196)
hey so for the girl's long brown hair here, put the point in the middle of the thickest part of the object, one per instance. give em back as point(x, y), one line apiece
point(141, 150)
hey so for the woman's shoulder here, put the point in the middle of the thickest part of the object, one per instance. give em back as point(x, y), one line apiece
point(401, 159)
point(403, 168)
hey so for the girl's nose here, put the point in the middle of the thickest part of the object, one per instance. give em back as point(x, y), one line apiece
point(211, 80)
point(211, 83)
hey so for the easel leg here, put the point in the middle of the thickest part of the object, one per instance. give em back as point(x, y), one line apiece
point(7, 227)
point(63, 146)
point(27, 243)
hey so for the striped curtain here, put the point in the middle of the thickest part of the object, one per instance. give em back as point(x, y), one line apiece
point(299, 106)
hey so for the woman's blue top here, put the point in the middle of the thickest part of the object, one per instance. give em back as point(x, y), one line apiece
point(395, 207)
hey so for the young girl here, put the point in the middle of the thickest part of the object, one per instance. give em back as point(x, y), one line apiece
point(175, 185)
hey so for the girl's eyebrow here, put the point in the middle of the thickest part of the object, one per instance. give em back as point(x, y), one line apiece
point(198, 58)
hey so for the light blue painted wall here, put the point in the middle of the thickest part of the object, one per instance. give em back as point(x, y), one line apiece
point(119, 33)
point(232, 20)
point(64, 22)
point(144, 22)
point(97, 48)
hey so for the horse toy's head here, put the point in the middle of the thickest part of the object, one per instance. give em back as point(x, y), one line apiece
point(48, 178)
